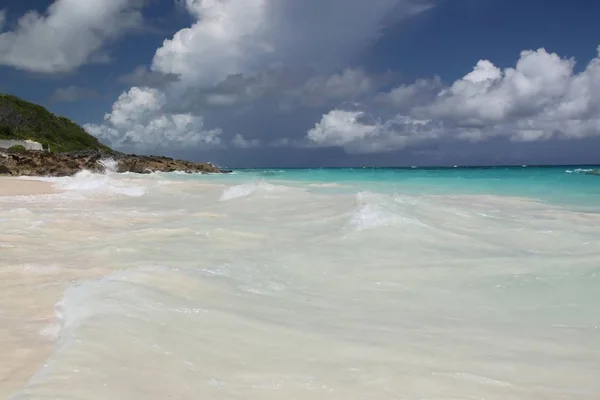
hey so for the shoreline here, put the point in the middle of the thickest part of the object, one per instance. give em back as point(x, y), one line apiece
point(12, 186)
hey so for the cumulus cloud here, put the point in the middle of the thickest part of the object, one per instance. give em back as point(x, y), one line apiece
point(139, 119)
point(71, 33)
point(220, 43)
point(73, 93)
point(357, 132)
point(540, 98)
point(487, 94)
point(237, 52)
point(248, 36)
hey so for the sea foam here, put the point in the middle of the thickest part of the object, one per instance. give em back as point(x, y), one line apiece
point(247, 189)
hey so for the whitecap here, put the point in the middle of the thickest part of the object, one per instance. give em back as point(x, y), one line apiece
point(87, 181)
point(247, 189)
point(377, 210)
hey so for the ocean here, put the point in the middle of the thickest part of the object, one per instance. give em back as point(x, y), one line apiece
point(365, 283)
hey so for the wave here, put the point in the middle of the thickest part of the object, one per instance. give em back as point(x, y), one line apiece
point(109, 182)
point(326, 185)
point(247, 189)
point(149, 312)
point(377, 210)
point(86, 181)
point(110, 165)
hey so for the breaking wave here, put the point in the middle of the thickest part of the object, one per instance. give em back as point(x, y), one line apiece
point(86, 182)
point(378, 210)
point(247, 189)
point(578, 171)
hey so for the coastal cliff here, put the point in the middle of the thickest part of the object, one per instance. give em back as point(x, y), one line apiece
point(68, 147)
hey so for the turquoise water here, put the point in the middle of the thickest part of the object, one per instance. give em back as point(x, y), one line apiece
point(568, 185)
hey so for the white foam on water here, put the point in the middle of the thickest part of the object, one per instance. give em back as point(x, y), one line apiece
point(377, 210)
point(247, 189)
point(326, 185)
point(371, 211)
point(110, 165)
point(86, 181)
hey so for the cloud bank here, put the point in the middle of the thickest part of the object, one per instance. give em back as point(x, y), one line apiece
point(540, 98)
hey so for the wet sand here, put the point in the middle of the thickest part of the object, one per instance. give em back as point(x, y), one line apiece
point(23, 187)
point(22, 354)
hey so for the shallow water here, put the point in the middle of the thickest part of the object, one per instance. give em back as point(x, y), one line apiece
point(303, 284)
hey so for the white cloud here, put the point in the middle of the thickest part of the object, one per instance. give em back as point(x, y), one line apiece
point(540, 98)
point(239, 51)
point(71, 33)
point(248, 36)
point(353, 131)
point(339, 127)
point(220, 43)
point(487, 94)
point(139, 119)
point(241, 142)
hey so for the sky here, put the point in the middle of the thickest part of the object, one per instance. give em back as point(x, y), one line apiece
point(316, 83)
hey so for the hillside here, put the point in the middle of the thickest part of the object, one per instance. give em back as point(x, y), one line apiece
point(20, 120)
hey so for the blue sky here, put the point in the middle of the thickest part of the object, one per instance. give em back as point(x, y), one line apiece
point(317, 82)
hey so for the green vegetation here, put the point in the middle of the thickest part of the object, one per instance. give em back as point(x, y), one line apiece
point(21, 120)
point(18, 148)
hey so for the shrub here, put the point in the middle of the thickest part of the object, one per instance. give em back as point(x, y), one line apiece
point(24, 120)
point(18, 148)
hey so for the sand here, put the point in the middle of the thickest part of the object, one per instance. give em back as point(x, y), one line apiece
point(22, 187)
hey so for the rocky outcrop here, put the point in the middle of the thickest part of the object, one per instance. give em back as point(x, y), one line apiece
point(39, 163)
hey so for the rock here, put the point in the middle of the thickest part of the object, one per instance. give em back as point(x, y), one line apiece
point(39, 163)
point(4, 170)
